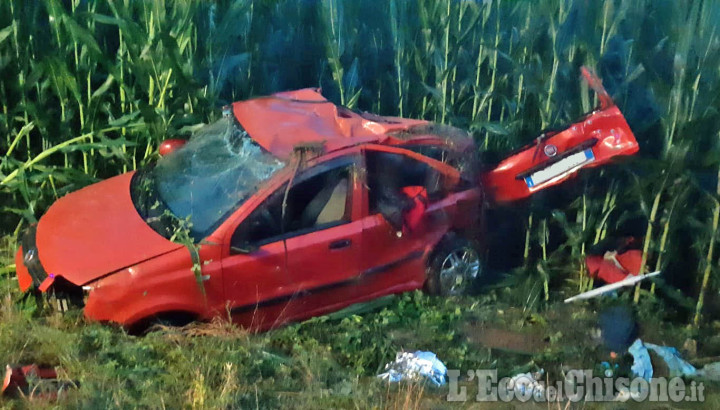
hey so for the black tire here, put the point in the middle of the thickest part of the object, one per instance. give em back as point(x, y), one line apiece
point(453, 267)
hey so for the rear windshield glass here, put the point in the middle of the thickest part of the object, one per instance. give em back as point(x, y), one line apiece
point(217, 170)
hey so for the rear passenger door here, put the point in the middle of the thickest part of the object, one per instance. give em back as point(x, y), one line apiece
point(392, 261)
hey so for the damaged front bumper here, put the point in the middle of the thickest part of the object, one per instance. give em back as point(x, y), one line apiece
point(32, 275)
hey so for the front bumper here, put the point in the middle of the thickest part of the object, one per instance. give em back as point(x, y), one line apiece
point(31, 274)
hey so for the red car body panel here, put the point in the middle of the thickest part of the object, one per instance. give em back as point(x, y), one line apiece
point(163, 284)
point(17, 380)
point(604, 132)
point(270, 287)
point(95, 231)
point(285, 120)
point(506, 182)
point(95, 237)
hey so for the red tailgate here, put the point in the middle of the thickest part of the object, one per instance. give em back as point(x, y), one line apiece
point(556, 156)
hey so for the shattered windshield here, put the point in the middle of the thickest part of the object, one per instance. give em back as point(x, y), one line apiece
point(217, 170)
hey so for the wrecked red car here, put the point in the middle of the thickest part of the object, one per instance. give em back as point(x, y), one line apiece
point(291, 207)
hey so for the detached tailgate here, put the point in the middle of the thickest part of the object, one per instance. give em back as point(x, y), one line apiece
point(556, 156)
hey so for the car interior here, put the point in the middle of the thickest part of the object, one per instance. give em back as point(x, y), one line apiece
point(314, 202)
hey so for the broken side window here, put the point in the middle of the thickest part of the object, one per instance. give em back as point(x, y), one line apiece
point(458, 150)
point(319, 199)
point(388, 173)
point(465, 162)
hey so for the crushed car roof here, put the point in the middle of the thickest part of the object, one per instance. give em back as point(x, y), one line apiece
point(285, 120)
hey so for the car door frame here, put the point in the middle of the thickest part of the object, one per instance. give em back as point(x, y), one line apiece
point(373, 282)
point(260, 198)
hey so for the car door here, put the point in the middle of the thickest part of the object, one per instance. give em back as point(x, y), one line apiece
point(297, 253)
point(393, 257)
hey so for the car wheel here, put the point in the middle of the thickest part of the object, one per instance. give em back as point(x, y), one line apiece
point(453, 268)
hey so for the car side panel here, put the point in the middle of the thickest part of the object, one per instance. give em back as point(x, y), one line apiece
point(251, 281)
point(163, 284)
point(401, 263)
point(314, 278)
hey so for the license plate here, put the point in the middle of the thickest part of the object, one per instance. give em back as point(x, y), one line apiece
point(564, 166)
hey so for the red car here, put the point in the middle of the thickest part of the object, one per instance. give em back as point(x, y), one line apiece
point(296, 207)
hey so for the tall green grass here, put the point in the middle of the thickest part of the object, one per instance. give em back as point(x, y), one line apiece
point(88, 89)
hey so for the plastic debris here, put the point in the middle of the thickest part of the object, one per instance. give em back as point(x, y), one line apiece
point(33, 381)
point(671, 356)
point(415, 366)
point(527, 383)
point(630, 280)
point(612, 260)
point(642, 366)
point(608, 369)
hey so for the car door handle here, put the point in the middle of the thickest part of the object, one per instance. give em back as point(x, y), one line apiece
point(342, 243)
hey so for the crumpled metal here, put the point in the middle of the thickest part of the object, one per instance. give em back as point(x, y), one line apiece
point(415, 366)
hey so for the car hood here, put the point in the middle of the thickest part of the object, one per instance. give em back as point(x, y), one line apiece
point(96, 231)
